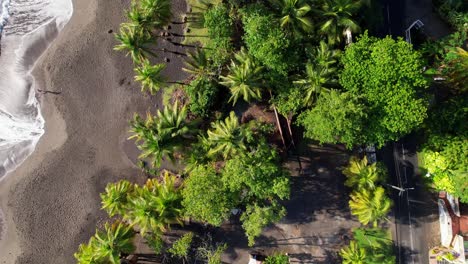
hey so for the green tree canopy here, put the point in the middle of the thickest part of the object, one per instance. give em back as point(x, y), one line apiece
point(388, 74)
point(266, 41)
point(257, 175)
point(220, 28)
point(337, 117)
point(205, 198)
point(256, 217)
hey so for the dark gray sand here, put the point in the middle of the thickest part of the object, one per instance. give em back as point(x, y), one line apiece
point(52, 199)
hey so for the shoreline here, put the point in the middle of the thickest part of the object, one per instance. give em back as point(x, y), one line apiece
point(51, 201)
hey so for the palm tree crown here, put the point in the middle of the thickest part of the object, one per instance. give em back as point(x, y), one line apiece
point(116, 196)
point(159, 11)
point(156, 205)
point(162, 135)
point(337, 19)
point(294, 15)
point(319, 74)
point(370, 205)
point(133, 40)
point(198, 64)
point(361, 175)
point(150, 76)
point(227, 138)
point(352, 254)
point(107, 245)
point(244, 78)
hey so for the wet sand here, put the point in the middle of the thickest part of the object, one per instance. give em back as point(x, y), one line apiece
point(51, 201)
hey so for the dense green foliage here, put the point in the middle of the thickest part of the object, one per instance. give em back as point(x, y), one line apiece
point(266, 41)
point(205, 197)
point(181, 246)
point(220, 31)
point(256, 217)
point(337, 117)
point(388, 75)
point(202, 94)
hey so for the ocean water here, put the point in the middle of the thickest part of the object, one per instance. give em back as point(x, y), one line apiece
point(27, 28)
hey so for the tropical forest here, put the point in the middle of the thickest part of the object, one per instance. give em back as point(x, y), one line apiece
point(277, 96)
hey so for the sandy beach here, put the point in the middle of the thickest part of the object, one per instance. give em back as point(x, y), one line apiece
point(51, 202)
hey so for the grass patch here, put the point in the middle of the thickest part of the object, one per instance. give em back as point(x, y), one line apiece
point(196, 23)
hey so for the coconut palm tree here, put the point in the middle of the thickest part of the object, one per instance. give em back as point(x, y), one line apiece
point(158, 11)
point(318, 79)
point(198, 64)
point(107, 245)
point(294, 16)
point(116, 196)
point(227, 137)
point(163, 135)
point(244, 78)
point(370, 205)
point(325, 57)
point(362, 175)
point(134, 41)
point(337, 19)
point(156, 205)
point(352, 254)
point(150, 76)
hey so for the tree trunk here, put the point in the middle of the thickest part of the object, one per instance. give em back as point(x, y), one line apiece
point(288, 121)
point(278, 121)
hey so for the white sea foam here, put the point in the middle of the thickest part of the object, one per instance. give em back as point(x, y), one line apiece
point(32, 25)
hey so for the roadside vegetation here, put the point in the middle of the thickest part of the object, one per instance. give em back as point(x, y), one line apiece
point(316, 69)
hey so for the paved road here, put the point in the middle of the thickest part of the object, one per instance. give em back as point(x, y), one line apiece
point(415, 211)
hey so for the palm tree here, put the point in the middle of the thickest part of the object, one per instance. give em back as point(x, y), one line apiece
point(162, 135)
point(156, 206)
point(198, 64)
point(325, 57)
point(317, 80)
point(159, 11)
point(244, 78)
point(370, 205)
point(362, 175)
point(116, 197)
point(227, 138)
point(294, 16)
point(352, 254)
point(150, 76)
point(337, 19)
point(133, 40)
point(108, 245)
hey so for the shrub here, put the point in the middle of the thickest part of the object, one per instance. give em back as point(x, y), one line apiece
point(220, 30)
point(181, 246)
point(277, 258)
point(202, 95)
